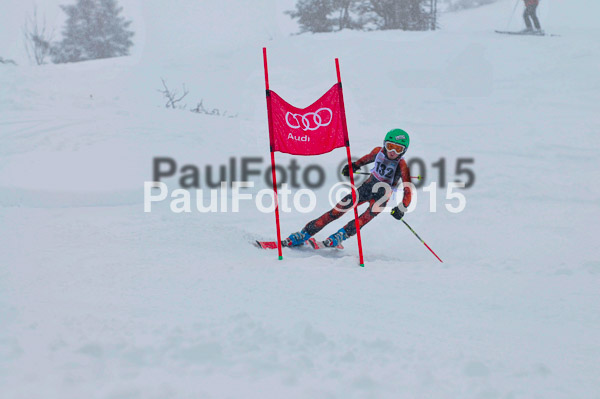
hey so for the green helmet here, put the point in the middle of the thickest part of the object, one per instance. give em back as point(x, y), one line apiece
point(397, 136)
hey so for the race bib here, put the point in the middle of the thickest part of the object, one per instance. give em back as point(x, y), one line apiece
point(384, 169)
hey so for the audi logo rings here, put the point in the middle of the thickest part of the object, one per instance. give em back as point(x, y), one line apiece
point(309, 121)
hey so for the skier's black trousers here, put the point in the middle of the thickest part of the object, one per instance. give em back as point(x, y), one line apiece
point(366, 193)
point(530, 13)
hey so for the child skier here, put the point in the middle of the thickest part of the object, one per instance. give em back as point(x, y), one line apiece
point(530, 8)
point(390, 168)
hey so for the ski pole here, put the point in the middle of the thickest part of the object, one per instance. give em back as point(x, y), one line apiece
point(420, 239)
point(368, 173)
point(512, 14)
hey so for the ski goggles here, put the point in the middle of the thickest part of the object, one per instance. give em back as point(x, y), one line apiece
point(393, 147)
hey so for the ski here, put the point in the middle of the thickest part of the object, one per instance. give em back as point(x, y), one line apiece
point(266, 244)
point(320, 245)
point(311, 243)
point(524, 33)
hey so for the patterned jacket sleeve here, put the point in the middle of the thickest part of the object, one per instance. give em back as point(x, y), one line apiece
point(367, 159)
point(403, 175)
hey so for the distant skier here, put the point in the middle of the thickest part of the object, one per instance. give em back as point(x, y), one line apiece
point(530, 13)
point(390, 168)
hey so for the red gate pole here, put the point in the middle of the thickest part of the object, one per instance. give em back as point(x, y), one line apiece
point(273, 174)
point(351, 172)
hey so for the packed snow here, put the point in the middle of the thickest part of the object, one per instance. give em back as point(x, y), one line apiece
point(99, 299)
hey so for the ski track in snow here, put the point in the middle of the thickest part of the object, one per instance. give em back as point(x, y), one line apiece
point(101, 300)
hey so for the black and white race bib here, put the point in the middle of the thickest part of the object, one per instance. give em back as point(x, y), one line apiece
point(384, 169)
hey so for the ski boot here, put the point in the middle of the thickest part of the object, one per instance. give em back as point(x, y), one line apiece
point(336, 239)
point(296, 239)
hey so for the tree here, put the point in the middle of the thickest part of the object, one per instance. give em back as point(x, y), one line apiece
point(313, 15)
point(330, 15)
point(402, 14)
point(326, 15)
point(454, 5)
point(94, 29)
point(345, 10)
point(37, 38)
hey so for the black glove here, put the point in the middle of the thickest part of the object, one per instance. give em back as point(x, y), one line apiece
point(397, 213)
point(346, 170)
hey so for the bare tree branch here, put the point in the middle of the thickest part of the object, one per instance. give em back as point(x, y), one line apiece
point(173, 98)
point(200, 109)
point(7, 61)
point(37, 38)
point(171, 95)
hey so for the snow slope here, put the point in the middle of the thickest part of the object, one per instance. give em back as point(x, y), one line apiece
point(101, 300)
